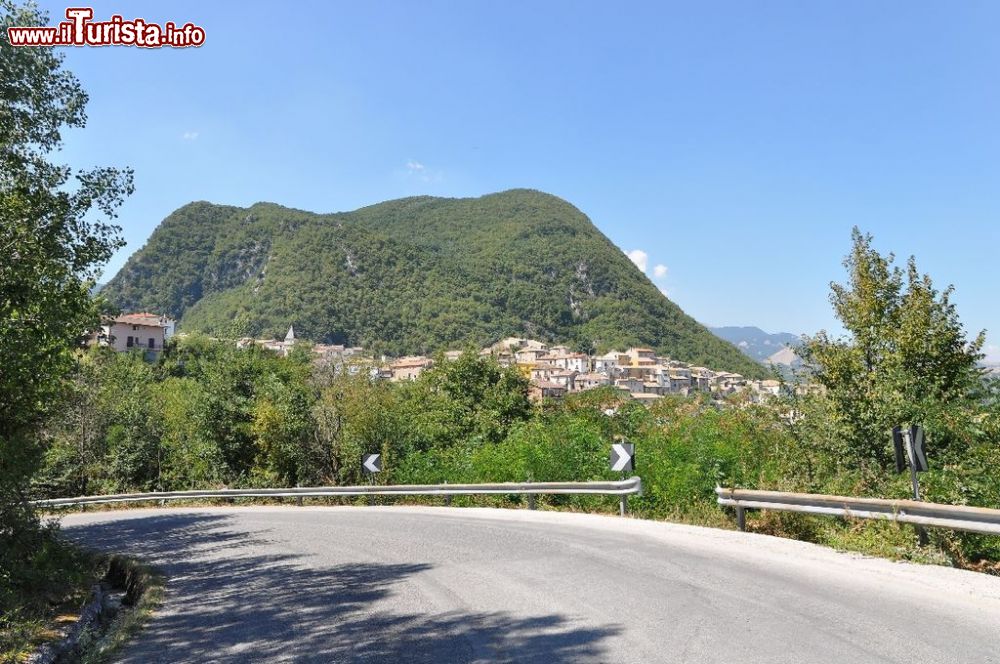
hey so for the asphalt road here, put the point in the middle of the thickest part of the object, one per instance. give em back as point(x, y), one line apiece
point(411, 584)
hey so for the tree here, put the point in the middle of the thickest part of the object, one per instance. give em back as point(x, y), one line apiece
point(76, 435)
point(355, 415)
point(55, 231)
point(130, 397)
point(464, 399)
point(905, 358)
point(283, 426)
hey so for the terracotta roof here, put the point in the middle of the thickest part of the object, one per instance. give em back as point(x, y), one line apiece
point(408, 362)
point(151, 320)
point(547, 385)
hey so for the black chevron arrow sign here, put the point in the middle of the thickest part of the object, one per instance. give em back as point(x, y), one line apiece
point(622, 457)
point(371, 463)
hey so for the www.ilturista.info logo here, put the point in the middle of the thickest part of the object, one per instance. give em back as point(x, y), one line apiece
point(80, 30)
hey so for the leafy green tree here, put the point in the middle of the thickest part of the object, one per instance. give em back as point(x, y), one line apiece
point(470, 397)
point(55, 230)
point(131, 400)
point(190, 459)
point(76, 435)
point(905, 358)
point(283, 426)
point(231, 381)
point(355, 415)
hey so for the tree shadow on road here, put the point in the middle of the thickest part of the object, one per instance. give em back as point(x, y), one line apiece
point(227, 603)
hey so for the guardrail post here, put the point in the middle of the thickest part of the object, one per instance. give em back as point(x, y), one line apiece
point(298, 501)
point(741, 518)
point(622, 505)
point(531, 501)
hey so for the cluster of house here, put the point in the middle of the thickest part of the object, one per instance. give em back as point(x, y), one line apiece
point(553, 371)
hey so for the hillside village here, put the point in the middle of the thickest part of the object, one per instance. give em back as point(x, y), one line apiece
point(553, 370)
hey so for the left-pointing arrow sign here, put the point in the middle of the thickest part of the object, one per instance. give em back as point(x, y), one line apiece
point(622, 456)
point(372, 463)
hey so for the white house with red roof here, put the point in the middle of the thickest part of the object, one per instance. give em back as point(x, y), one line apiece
point(145, 331)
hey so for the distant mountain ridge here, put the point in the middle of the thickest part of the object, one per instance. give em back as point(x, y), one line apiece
point(756, 343)
point(412, 275)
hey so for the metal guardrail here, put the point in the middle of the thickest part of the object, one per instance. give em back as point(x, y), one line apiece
point(623, 488)
point(955, 517)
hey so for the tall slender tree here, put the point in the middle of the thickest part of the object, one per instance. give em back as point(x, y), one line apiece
point(905, 358)
point(55, 231)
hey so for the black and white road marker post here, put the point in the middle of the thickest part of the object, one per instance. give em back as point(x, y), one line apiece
point(908, 445)
point(622, 461)
point(371, 464)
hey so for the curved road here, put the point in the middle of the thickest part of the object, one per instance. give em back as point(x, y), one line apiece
point(426, 584)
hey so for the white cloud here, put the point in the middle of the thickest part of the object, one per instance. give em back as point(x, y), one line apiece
point(665, 292)
point(417, 171)
point(639, 257)
point(660, 271)
point(992, 352)
point(190, 135)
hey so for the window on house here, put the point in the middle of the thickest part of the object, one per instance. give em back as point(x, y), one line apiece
point(151, 342)
point(129, 342)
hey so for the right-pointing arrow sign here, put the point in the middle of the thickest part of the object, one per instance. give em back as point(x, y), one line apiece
point(372, 463)
point(622, 457)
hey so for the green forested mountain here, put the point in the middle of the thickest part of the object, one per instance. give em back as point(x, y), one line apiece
point(410, 276)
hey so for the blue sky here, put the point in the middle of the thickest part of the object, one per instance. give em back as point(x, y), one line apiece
point(733, 143)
